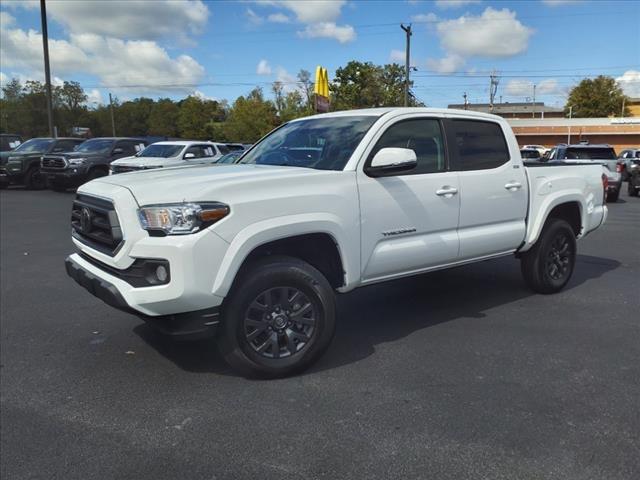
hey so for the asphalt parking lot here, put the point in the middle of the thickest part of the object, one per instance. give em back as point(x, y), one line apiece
point(454, 375)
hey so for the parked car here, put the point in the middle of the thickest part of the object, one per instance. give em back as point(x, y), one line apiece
point(169, 154)
point(231, 157)
point(540, 148)
point(255, 251)
point(601, 153)
point(530, 154)
point(235, 146)
point(22, 165)
point(9, 141)
point(625, 159)
point(633, 187)
point(90, 160)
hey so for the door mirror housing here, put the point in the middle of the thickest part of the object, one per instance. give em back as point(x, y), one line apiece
point(189, 155)
point(391, 161)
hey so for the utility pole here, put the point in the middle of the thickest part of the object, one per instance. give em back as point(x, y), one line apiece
point(622, 111)
point(113, 122)
point(465, 100)
point(569, 129)
point(533, 107)
point(47, 70)
point(407, 67)
point(493, 88)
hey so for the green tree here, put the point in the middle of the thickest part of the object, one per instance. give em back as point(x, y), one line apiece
point(194, 115)
point(163, 120)
point(250, 118)
point(597, 97)
point(132, 117)
point(304, 77)
point(365, 85)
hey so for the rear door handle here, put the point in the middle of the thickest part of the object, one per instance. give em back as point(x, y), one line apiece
point(446, 191)
point(513, 186)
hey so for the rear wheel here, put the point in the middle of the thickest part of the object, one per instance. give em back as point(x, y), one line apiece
point(549, 264)
point(613, 196)
point(279, 318)
point(631, 188)
point(34, 180)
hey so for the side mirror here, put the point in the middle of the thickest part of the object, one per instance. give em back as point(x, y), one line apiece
point(390, 161)
point(189, 155)
point(118, 150)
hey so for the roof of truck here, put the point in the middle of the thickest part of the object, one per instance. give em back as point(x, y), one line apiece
point(399, 110)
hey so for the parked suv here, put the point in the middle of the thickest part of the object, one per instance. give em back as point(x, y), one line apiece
point(602, 153)
point(22, 165)
point(90, 160)
point(9, 141)
point(169, 154)
point(626, 159)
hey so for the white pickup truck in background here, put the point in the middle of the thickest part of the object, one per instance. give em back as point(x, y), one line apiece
point(254, 252)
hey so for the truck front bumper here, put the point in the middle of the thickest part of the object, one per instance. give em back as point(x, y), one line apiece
point(189, 325)
point(68, 176)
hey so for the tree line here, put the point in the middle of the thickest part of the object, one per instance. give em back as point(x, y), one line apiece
point(249, 117)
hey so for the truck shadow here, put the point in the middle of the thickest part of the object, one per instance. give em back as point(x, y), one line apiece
point(383, 313)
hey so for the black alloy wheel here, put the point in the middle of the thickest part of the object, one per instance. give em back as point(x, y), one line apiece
point(559, 257)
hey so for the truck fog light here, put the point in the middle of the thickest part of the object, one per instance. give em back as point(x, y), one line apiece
point(161, 273)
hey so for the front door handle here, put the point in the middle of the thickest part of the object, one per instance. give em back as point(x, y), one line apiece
point(513, 186)
point(447, 191)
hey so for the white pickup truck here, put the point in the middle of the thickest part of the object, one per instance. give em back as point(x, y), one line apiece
point(254, 252)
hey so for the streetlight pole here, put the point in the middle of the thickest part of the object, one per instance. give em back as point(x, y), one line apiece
point(569, 130)
point(47, 70)
point(407, 30)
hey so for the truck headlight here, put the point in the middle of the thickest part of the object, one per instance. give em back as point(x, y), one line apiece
point(76, 161)
point(181, 218)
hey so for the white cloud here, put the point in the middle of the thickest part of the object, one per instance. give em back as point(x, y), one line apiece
point(253, 17)
point(310, 11)
point(289, 82)
point(263, 68)
point(397, 56)
point(202, 96)
point(6, 19)
point(94, 97)
point(454, 3)
point(424, 18)
point(449, 64)
point(114, 62)
point(495, 33)
point(630, 83)
point(341, 33)
point(278, 18)
point(524, 88)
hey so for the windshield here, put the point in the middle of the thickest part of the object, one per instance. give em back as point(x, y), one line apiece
point(162, 151)
point(230, 157)
point(34, 145)
point(95, 146)
point(322, 143)
point(586, 153)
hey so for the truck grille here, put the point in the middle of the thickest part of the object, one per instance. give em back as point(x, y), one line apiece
point(94, 222)
point(54, 162)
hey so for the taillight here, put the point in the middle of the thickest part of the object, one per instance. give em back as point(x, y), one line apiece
point(619, 167)
point(605, 185)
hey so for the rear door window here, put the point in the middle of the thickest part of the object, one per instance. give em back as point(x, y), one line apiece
point(223, 149)
point(478, 145)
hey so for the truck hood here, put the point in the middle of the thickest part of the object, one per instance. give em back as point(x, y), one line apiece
point(202, 182)
point(146, 161)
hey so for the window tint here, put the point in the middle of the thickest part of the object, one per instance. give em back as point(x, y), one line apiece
point(223, 149)
point(128, 147)
point(480, 145)
point(198, 151)
point(590, 153)
point(423, 136)
point(64, 146)
point(208, 150)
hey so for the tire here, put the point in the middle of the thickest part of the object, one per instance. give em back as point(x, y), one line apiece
point(34, 180)
point(57, 187)
point(612, 197)
point(631, 189)
point(549, 264)
point(261, 336)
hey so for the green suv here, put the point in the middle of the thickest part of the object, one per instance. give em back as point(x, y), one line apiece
point(22, 165)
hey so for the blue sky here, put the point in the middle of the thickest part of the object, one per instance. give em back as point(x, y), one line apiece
point(223, 49)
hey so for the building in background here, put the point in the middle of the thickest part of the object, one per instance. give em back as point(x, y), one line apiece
point(514, 110)
point(634, 106)
point(620, 133)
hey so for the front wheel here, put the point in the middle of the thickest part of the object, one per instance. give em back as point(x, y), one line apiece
point(549, 264)
point(34, 180)
point(631, 188)
point(279, 318)
point(612, 197)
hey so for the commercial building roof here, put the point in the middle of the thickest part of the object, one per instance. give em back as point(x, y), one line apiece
point(508, 108)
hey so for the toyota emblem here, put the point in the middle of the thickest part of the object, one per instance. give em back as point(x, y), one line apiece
point(85, 220)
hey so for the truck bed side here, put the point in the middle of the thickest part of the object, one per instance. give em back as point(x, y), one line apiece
point(567, 187)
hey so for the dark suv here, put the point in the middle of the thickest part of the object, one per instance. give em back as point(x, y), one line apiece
point(9, 141)
point(90, 160)
point(22, 165)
